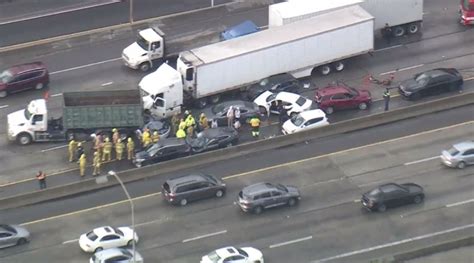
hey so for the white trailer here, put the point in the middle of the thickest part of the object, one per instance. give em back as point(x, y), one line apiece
point(321, 43)
point(403, 16)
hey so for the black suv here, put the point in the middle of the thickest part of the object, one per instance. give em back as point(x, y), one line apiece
point(275, 84)
point(256, 197)
point(165, 149)
point(180, 190)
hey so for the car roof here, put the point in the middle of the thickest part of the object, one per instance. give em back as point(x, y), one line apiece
point(26, 67)
point(194, 177)
point(111, 252)
point(257, 188)
point(214, 132)
point(101, 231)
point(311, 114)
point(171, 141)
point(227, 251)
point(438, 72)
point(462, 146)
point(287, 96)
point(238, 103)
point(332, 90)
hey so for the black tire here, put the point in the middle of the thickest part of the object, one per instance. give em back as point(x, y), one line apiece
point(21, 241)
point(398, 31)
point(461, 165)
point(262, 110)
point(363, 106)
point(98, 249)
point(381, 208)
point(24, 139)
point(215, 99)
point(325, 70)
point(417, 199)
point(183, 202)
point(39, 86)
point(145, 67)
point(292, 202)
point(3, 94)
point(201, 103)
point(338, 66)
point(258, 210)
point(413, 28)
point(329, 110)
point(219, 193)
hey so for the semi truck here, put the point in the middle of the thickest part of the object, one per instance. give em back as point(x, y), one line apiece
point(83, 113)
point(317, 44)
point(466, 11)
point(402, 16)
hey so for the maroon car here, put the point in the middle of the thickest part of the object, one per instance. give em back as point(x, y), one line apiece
point(340, 97)
point(23, 77)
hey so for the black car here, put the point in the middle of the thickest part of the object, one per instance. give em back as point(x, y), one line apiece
point(256, 197)
point(163, 150)
point(431, 82)
point(275, 83)
point(163, 128)
point(213, 138)
point(219, 111)
point(180, 190)
point(392, 195)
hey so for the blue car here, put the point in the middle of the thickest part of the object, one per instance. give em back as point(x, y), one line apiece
point(242, 29)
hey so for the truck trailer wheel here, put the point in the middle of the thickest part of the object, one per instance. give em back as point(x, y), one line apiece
point(414, 28)
point(398, 31)
point(145, 66)
point(215, 99)
point(24, 139)
point(201, 103)
point(325, 70)
point(338, 66)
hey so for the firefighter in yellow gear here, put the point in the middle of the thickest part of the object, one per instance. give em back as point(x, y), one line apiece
point(255, 124)
point(203, 122)
point(107, 151)
point(190, 121)
point(130, 148)
point(96, 162)
point(174, 123)
point(146, 138)
point(180, 134)
point(72, 150)
point(182, 125)
point(119, 147)
point(82, 165)
point(115, 136)
point(155, 137)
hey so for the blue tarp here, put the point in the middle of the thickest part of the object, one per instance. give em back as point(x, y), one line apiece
point(244, 28)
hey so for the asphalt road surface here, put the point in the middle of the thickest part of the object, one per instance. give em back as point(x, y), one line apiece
point(328, 221)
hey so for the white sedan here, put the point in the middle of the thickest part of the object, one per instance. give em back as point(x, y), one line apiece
point(293, 103)
point(234, 254)
point(107, 237)
point(305, 120)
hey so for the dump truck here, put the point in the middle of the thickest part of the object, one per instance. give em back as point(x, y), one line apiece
point(83, 113)
point(204, 74)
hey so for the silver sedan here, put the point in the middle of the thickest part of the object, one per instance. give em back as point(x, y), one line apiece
point(460, 155)
point(11, 235)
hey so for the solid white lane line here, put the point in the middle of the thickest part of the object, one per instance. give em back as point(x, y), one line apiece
point(107, 84)
point(204, 236)
point(71, 241)
point(460, 203)
point(3, 106)
point(387, 48)
point(54, 148)
point(84, 66)
point(356, 252)
point(56, 95)
point(422, 160)
point(291, 242)
point(401, 69)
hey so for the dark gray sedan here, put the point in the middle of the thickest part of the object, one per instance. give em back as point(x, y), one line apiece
point(219, 111)
point(11, 235)
point(213, 138)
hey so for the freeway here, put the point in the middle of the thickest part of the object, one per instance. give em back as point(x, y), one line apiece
point(95, 66)
point(23, 21)
point(329, 221)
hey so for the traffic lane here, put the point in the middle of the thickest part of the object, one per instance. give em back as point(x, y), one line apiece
point(251, 162)
point(92, 18)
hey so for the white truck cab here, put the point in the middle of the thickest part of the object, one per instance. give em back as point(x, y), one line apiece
point(148, 47)
point(162, 92)
point(23, 124)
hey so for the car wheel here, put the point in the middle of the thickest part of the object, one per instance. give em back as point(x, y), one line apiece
point(39, 86)
point(257, 210)
point(338, 66)
point(21, 241)
point(183, 202)
point(329, 110)
point(461, 165)
point(363, 106)
point(417, 199)
point(263, 110)
point(228, 145)
point(3, 94)
point(325, 70)
point(398, 31)
point(98, 249)
point(293, 115)
point(220, 193)
point(292, 202)
point(145, 66)
point(382, 208)
point(130, 243)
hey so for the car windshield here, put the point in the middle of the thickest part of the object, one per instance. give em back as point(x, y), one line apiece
point(242, 252)
point(353, 91)
point(200, 141)
point(118, 231)
point(5, 76)
point(27, 114)
point(282, 187)
point(301, 101)
point(8, 228)
point(271, 97)
point(422, 78)
point(298, 120)
point(211, 178)
point(219, 108)
point(142, 42)
point(453, 151)
point(214, 257)
point(126, 253)
point(264, 82)
point(375, 192)
point(91, 235)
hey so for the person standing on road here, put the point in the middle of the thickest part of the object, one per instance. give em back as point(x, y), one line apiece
point(115, 136)
point(82, 165)
point(283, 116)
point(174, 123)
point(203, 122)
point(386, 98)
point(96, 162)
point(255, 124)
point(155, 137)
point(130, 148)
point(230, 117)
point(387, 33)
point(146, 138)
point(72, 147)
point(180, 134)
point(119, 147)
point(41, 179)
point(107, 155)
point(79, 151)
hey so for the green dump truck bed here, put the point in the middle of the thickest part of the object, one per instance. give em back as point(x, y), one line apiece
point(102, 109)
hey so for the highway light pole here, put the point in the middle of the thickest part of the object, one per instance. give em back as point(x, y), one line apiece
point(104, 179)
point(131, 11)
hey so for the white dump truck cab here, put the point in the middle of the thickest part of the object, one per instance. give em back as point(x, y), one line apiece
point(162, 92)
point(23, 124)
point(148, 47)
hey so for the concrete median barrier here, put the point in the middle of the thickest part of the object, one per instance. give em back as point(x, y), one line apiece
point(342, 127)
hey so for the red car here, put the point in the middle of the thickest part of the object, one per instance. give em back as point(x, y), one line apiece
point(340, 97)
point(23, 77)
